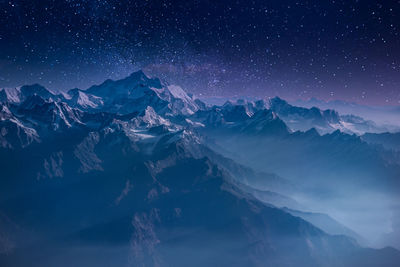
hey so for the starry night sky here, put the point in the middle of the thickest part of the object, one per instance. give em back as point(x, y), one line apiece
point(348, 49)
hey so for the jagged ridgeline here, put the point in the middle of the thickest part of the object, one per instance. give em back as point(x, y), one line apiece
point(137, 172)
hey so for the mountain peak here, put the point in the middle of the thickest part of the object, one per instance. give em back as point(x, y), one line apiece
point(150, 118)
point(278, 101)
point(36, 89)
point(130, 86)
point(139, 77)
point(138, 74)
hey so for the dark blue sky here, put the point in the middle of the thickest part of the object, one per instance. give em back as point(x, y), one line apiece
point(346, 49)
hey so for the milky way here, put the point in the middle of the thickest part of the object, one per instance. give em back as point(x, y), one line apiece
point(295, 49)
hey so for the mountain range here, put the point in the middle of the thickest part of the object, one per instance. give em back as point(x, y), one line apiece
point(137, 172)
point(383, 115)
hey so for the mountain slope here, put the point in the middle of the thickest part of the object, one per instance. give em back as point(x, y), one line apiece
point(155, 206)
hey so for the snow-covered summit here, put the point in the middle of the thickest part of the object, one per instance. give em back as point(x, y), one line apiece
point(135, 93)
point(19, 94)
point(83, 100)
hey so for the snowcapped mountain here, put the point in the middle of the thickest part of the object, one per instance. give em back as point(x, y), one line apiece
point(135, 93)
point(78, 98)
point(48, 115)
point(128, 95)
point(38, 111)
point(140, 171)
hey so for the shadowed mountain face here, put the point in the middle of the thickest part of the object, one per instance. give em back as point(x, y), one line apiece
point(127, 174)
